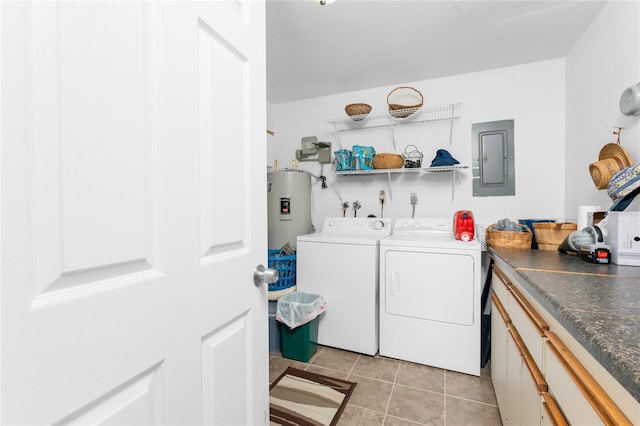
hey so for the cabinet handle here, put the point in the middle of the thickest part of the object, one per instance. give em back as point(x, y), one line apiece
point(553, 411)
point(500, 308)
point(536, 375)
point(602, 404)
point(502, 277)
point(533, 315)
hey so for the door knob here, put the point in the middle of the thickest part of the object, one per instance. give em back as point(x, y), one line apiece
point(265, 275)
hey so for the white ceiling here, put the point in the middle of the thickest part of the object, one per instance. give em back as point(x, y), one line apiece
point(315, 50)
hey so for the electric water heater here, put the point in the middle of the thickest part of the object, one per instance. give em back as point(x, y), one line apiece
point(289, 206)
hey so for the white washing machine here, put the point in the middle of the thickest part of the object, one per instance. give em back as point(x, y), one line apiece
point(430, 296)
point(340, 263)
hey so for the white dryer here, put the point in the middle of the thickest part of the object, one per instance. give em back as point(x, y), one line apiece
point(430, 296)
point(340, 263)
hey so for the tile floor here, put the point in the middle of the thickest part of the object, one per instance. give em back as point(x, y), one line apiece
point(400, 393)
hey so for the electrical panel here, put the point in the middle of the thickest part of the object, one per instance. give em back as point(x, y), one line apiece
point(493, 159)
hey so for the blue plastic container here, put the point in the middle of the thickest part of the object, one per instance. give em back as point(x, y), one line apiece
point(275, 334)
point(286, 266)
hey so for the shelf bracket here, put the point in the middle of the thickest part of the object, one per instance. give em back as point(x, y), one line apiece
point(389, 181)
point(453, 115)
point(335, 129)
point(453, 182)
point(392, 129)
point(335, 183)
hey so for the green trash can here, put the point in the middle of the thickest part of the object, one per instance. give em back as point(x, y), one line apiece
point(298, 315)
point(300, 343)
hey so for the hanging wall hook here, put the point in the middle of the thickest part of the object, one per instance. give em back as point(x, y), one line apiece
point(617, 132)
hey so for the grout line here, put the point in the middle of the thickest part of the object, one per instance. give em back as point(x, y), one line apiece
point(395, 379)
point(488, 404)
point(354, 365)
point(407, 420)
point(420, 389)
point(444, 390)
point(365, 408)
point(393, 388)
point(386, 410)
point(313, 358)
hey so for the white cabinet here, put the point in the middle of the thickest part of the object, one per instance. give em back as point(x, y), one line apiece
point(513, 382)
point(499, 354)
point(551, 414)
point(524, 383)
point(579, 396)
point(575, 406)
point(537, 379)
point(530, 326)
point(530, 400)
point(516, 379)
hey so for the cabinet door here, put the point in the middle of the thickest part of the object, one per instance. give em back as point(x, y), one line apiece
point(531, 327)
point(513, 381)
point(499, 354)
point(551, 414)
point(499, 286)
point(581, 399)
point(530, 402)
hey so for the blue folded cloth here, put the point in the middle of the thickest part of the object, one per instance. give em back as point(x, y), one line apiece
point(443, 158)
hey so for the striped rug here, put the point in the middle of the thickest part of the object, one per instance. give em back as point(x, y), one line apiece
point(303, 398)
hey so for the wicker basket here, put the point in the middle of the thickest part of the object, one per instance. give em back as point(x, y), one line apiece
point(387, 161)
point(404, 101)
point(550, 235)
point(509, 239)
point(357, 111)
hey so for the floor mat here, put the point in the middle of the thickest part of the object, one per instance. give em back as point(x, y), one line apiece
point(303, 398)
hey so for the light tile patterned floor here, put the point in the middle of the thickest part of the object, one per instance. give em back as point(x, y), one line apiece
point(400, 393)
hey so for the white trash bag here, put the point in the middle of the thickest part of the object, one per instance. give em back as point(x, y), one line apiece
point(297, 309)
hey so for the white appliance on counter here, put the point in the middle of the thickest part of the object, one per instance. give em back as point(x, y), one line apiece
point(430, 296)
point(623, 235)
point(340, 263)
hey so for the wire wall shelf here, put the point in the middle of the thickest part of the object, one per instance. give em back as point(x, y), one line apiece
point(417, 170)
point(421, 170)
point(393, 119)
point(398, 117)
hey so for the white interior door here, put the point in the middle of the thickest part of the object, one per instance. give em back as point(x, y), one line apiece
point(133, 213)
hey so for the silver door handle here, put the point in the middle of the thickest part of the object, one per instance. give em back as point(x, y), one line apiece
point(265, 275)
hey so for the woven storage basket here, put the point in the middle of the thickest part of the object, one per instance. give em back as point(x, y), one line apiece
point(357, 111)
point(550, 235)
point(387, 161)
point(509, 239)
point(404, 101)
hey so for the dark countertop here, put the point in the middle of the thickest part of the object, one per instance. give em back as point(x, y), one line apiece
point(598, 304)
